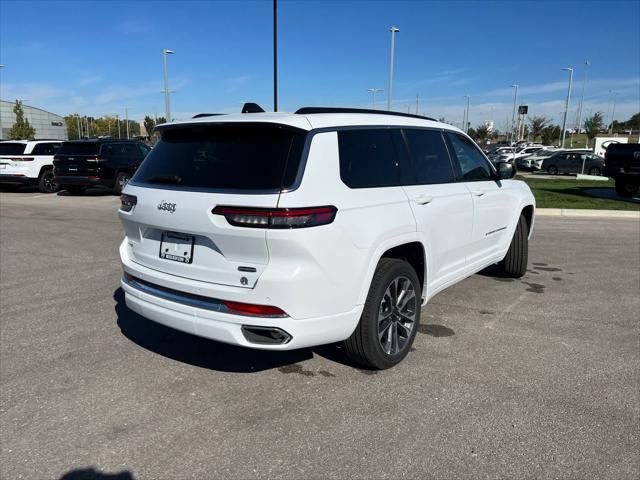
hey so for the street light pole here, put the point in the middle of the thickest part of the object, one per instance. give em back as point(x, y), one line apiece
point(1, 134)
point(566, 105)
point(373, 95)
point(465, 127)
point(584, 84)
point(118, 122)
point(79, 129)
point(613, 112)
point(393, 31)
point(513, 116)
point(167, 105)
point(126, 116)
point(275, 55)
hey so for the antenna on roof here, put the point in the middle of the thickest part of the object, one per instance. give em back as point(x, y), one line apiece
point(252, 108)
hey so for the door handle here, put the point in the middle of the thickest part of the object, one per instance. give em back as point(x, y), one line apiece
point(478, 193)
point(423, 199)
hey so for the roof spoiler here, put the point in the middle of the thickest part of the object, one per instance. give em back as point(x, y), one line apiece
point(200, 115)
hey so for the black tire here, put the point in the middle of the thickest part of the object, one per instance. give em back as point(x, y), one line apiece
point(365, 347)
point(594, 171)
point(552, 170)
point(75, 190)
point(514, 264)
point(46, 182)
point(626, 189)
point(121, 181)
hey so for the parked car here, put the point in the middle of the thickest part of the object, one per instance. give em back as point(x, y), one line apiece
point(534, 161)
point(281, 231)
point(102, 162)
point(622, 163)
point(574, 161)
point(523, 151)
point(24, 162)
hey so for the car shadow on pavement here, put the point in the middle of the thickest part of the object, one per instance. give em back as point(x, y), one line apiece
point(93, 474)
point(206, 353)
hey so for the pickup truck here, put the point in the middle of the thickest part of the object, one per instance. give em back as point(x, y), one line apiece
point(622, 163)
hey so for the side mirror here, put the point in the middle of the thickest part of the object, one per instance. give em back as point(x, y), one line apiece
point(506, 171)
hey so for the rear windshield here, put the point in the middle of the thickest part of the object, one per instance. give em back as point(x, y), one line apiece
point(12, 148)
point(78, 148)
point(238, 157)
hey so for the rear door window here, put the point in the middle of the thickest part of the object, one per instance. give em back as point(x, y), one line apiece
point(473, 166)
point(371, 158)
point(12, 148)
point(230, 156)
point(430, 157)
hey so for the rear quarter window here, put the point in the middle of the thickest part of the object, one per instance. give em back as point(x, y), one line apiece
point(226, 157)
point(369, 158)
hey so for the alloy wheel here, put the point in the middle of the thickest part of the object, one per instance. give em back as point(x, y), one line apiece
point(397, 315)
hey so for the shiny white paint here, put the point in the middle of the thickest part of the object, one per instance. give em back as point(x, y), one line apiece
point(30, 169)
point(319, 276)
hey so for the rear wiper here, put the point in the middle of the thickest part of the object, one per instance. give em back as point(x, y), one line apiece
point(171, 179)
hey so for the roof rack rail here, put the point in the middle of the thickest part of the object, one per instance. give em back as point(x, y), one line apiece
point(200, 115)
point(310, 110)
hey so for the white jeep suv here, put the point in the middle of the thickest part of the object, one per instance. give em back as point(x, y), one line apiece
point(281, 231)
point(24, 162)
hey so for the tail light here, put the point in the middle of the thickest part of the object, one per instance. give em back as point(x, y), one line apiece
point(250, 309)
point(277, 217)
point(96, 159)
point(22, 159)
point(127, 202)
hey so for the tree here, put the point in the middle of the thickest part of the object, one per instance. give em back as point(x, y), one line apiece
point(472, 133)
point(538, 124)
point(550, 134)
point(21, 130)
point(483, 132)
point(160, 120)
point(149, 125)
point(593, 125)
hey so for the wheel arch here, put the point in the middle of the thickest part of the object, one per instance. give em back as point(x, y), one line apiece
point(410, 249)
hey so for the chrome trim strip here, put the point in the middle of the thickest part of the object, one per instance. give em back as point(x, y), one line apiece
point(188, 299)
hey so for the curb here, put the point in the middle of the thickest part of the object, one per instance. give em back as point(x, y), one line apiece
point(576, 212)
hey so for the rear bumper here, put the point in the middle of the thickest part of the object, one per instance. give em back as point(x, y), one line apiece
point(228, 328)
point(616, 172)
point(17, 179)
point(81, 181)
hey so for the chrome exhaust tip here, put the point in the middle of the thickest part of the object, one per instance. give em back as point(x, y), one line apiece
point(265, 335)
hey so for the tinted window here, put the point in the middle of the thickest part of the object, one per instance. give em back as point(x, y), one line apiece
point(430, 156)
point(143, 149)
point(12, 148)
point(78, 148)
point(129, 150)
point(368, 158)
point(246, 157)
point(473, 166)
point(45, 148)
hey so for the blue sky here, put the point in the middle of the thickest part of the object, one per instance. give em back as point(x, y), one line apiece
point(100, 57)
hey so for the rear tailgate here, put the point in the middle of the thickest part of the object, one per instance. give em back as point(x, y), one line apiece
point(191, 171)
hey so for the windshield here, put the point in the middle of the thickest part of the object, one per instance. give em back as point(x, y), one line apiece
point(78, 148)
point(238, 157)
point(12, 148)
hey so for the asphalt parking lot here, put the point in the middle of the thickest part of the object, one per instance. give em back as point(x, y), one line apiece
point(538, 377)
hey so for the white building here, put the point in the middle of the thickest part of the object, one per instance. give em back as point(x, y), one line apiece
point(48, 125)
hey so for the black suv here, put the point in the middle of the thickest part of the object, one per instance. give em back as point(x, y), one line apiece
point(101, 162)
